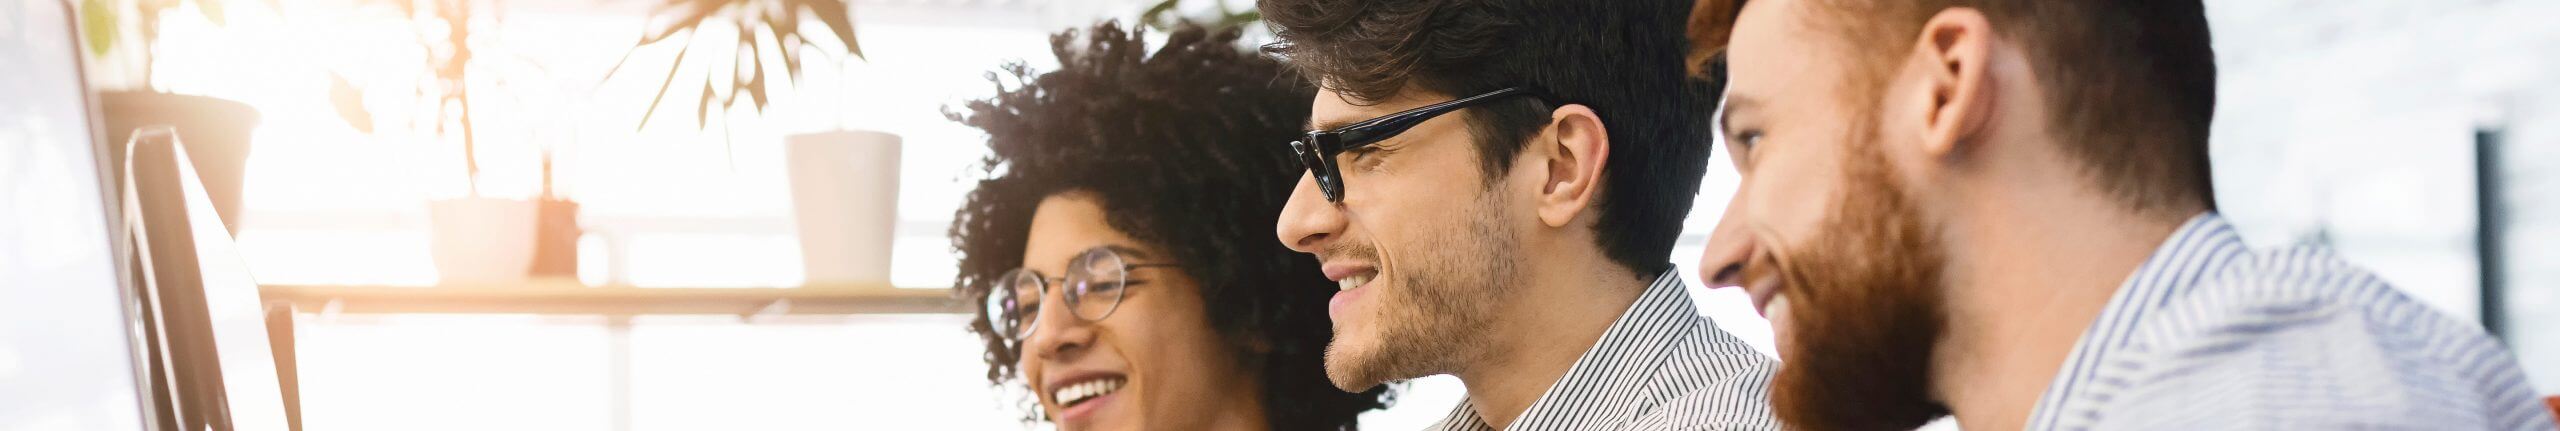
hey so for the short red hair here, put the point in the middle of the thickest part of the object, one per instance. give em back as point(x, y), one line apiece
point(2131, 82)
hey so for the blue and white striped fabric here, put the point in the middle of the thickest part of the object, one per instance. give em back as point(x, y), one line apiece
point(1661, 366)
point(2210, 335)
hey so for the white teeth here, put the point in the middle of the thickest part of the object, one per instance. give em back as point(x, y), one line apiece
point(1354, 282)
point(1085, 390)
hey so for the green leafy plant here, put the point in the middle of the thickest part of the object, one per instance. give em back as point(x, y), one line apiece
point(1165, 14)
point(444, 29)
point(102, 24)
point(760, 26)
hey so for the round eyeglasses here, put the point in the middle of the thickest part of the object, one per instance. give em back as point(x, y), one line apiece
point(1095, 281)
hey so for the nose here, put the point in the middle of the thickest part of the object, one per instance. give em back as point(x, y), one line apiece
point(1308, 220)
point(1729, 248)
point(1060, 334)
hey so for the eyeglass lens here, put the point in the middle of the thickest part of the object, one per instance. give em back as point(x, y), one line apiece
point(1093, 287)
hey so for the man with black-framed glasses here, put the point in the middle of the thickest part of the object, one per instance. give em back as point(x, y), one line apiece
point(1495, 186)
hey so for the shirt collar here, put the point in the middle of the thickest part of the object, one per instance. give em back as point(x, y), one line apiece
point(2205, 244)
point(1614, 370)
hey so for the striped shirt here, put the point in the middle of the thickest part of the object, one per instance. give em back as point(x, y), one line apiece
point(1660, 366)
point(2210, 335)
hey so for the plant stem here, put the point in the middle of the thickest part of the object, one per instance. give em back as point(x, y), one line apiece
point(150, 44)
point(457, 72)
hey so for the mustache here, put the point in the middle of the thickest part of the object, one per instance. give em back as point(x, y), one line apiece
point(1772, 262)
point(1346, 250)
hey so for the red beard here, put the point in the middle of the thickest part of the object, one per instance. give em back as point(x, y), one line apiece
point(1867, 308)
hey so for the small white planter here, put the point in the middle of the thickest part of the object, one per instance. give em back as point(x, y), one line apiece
point(844, 192)
point(482, 240)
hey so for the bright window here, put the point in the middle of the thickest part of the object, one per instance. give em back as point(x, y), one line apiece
point(683, 207)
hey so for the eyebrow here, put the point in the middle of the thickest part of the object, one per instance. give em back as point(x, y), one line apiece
point(1314, 125)
point(1125, 251)
point(1128, 251)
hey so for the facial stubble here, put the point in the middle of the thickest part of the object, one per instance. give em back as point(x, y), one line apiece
point(1442, 300)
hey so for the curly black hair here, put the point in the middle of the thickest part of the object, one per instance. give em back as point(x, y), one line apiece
point(1181, 149)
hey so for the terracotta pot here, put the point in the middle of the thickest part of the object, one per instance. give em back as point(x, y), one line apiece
point(555, 239)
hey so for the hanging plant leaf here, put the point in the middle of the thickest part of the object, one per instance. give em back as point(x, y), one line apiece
point(98, 24)
point(1240, 18)
point(212, 10)
point(755, 85)
point(784, 22)
point(672, 67)
point(407, 8)
point(1154, 16)
point(790, 50)
point(695, 11)
point(350, 103)
point(839, 19)
point(746, 78)
point(1168, 13)
point(702, 109)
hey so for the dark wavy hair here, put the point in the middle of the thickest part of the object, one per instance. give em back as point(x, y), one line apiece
point(1182, 149)
point(1625, 59)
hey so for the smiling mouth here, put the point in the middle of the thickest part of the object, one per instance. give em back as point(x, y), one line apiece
point(1072, 394)
point(1355, 281)
point(1766, 286)
point(1764, 302)
point(1765, 293)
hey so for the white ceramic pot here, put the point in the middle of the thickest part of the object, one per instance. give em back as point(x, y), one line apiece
point(482, 240)
point(844, 193)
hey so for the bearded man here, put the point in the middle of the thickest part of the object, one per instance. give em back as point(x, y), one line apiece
point(2003, 210)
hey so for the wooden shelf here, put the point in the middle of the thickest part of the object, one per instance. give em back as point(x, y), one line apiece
point(568, 297)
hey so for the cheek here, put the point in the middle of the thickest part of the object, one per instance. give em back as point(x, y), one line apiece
point(1167, 337)
point(1422, 176)
point(1792, 193)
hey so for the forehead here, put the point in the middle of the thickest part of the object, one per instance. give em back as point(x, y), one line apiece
point(1065, 225)
point(1333, 109)
point(1775, 47)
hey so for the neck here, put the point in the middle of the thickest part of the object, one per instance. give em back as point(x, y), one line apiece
point(2034, 262)
point(1243, 412)
point(1247, 419)
point(1561, 309)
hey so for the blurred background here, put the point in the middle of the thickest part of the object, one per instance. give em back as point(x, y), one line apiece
point(737, 208)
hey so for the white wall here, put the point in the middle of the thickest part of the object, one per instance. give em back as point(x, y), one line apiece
point(2355, 117)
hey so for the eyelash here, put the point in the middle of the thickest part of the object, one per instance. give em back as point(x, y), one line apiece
point(1368, 158)
point(1742, 143)
point(1125, 284)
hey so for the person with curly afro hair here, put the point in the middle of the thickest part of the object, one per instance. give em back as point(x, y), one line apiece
point(1118, 240)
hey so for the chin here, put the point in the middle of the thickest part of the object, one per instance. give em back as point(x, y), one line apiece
point(1340, 366)
point(1356, 363)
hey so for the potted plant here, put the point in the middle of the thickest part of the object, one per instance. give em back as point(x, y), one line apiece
point(474, 238)
point(216, 131)
point(1166, 14)
point(844, 183)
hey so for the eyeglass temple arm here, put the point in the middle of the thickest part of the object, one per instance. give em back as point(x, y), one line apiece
point(1361, 135)
point(1063, 279)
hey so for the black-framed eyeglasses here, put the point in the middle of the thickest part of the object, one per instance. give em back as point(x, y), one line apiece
point(1318, 149)
point(1095, 281)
